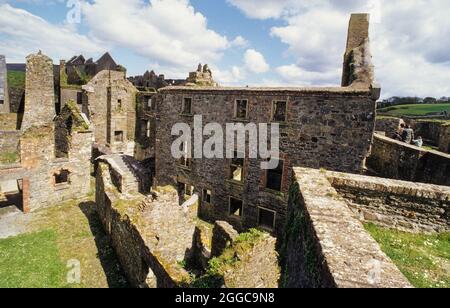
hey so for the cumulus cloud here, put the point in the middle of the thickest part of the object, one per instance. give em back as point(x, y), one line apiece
point(255, 62)
point(23, 33)
point(409, 40)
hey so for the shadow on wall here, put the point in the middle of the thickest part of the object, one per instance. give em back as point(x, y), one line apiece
point(114, 274)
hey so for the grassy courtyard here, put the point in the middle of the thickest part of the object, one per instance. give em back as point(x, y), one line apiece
point(414, 110)
point(423, 259)
point(59, 234)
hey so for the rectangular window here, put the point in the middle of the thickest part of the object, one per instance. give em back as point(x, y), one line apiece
point(185, 160)
point(275, 177)
point(237, 168)
point(62, 177)
point(236, 207)
point(241, 109)
point(266, 219)
point(2, 102)
point(118, 136)
point(187, 106)
point(146, 129)
point(279, 111)
point(189, 190)
point(119, 104)
point(206, 196)
point(79, 98)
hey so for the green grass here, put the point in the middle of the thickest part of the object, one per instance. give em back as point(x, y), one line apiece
point(16, 79)
point(423, 259)
point(31, 261)
point(9, 157)
point(414, 110)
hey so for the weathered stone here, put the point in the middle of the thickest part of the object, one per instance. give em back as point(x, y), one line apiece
point(223, 237)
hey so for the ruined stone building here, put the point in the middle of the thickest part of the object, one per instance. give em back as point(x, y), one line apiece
point(328, 128)
point(51, 153)
point(151, 81)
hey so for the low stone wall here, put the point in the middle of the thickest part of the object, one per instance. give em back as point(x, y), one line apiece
point(397, 160)
point(401, 205)
point(388, 125)
point(325, 246)
point(430, 131)
point(8, 121)
point(444, 139)
point(9, 141)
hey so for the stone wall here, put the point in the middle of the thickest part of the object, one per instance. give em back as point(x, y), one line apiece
point(111, 105)
point(8, 121)
point(223, 237)
point(9, 142)
point(151, 237)
point(330, 128)
point(4, 102)
point(145, 126)
point(388, 125)
point(444, 139)
point(39, 92)
point(430, 131)
point(325, 246)
point(398, 160)
point(394, 204)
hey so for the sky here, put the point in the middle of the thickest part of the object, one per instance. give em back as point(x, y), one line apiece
point(245, 42)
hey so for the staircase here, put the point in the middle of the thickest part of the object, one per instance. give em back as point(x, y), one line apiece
point(130, 181)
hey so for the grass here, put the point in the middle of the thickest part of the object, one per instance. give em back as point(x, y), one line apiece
point(71, 231)
point(423, 259)
point(9, 158)
point(31, 261)
point(414, 110)
point(16, 79)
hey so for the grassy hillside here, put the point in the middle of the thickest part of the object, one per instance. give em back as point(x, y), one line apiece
point(16, 79)
point(414, 110)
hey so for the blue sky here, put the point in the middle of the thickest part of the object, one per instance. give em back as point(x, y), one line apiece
point(246, 42)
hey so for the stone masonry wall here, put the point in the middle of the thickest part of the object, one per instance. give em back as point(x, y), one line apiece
point(401, 205)
point(8, 121)
point(324, 245)
point(398, 160)
point(39, 92)
point(111, 105)
point(9, 142)
point(388, 125)
point(330, 128)
point(444, 139)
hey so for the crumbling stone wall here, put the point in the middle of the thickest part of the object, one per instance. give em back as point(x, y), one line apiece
point(330, 128)
point(223, 237)
point(400, 205)
point(146, 125)
point(444, 139)
point(8, 121)
point(398, 160)
point(39, 92)
point(9, 143)
point(151, 237)
point(111, 105)
point(325, 246)
point(4, 102)
point(388, 125)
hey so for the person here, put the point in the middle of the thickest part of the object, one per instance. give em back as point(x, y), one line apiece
point(418, 142)
point(408, 135)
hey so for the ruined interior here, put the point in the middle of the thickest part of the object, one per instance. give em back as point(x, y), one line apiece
point(297, 225)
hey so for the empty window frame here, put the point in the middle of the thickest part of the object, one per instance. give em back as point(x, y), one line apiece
point(118, 136)
point(2, 102)
point(63, 177)
point(206, 196)
point(187, 106)
point(185, 159)
point(241, 109)
point(237, 168)
point(188, 190)
point(146, 128)
point(119, 103)
point(274, 179)
point(151, 103)
point(236, 207)
point(266, 219)
point(279, 111)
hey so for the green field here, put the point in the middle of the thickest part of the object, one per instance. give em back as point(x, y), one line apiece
point(16, 79)
point(423, 259)
point(414, 110)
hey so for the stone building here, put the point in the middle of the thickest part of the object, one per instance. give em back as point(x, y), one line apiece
point(110, 105)
point(151, 81)
point(4, 102)
point(54, 152)
point(328, 128)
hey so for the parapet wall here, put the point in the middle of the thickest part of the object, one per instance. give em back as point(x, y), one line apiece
point(325, 245)
point(398, 160)
point(388, 125)
point(395, 204)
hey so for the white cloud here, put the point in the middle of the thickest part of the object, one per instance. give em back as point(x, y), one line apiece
point(23, 33)
point(255, 62)
point(240, 42)
point(409, 40)
point(170, 32)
